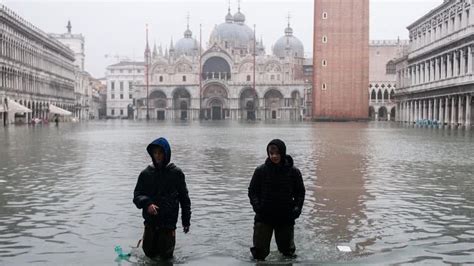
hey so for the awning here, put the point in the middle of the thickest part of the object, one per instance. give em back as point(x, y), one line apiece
point(53, 109)
point(15, 107)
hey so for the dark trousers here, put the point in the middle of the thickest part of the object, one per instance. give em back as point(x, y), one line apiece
point(262, 235)
point(158, 242)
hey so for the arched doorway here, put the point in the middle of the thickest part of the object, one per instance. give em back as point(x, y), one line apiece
point(216, 109)
point(248, 104)
point(158, 104)
point(393, 113)
point(382, 113)
point(372, 113)
point(214, 101)
point(181, 103)
point(273, 102)
point(183, 106)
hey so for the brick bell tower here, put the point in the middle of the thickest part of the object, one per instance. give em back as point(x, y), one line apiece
point(341, 60)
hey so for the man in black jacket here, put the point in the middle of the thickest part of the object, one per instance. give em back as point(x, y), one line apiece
point(160, 189)
point(277, 194)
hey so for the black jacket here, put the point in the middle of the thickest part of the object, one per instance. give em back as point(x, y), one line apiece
point(164, 186)
point(277, 192)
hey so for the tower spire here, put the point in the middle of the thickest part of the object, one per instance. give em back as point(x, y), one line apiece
point(147, 47)
point(69, 27)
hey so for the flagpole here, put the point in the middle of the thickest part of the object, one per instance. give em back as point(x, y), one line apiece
point(200, 73)
point(146, 73)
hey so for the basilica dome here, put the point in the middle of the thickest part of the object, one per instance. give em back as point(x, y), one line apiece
point(234, 32)
point(288, 45)
point(187, 45)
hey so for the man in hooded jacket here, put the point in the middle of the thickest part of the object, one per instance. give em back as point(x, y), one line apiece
point(160, 189)
point(276, 194)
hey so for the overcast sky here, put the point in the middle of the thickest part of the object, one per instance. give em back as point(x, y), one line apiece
point(118, 27)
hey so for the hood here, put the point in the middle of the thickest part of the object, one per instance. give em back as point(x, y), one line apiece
point(281, 147)
point(163, 143)
point(286, 160)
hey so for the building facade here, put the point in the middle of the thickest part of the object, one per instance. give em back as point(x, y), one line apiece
point(35, 69)
point(121, 78)
point(435, 77)
point(383, 77)
point(84, 108)
point(341, 60)
point(232, 78)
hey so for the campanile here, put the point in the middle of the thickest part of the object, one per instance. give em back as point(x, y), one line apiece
point(341, 60)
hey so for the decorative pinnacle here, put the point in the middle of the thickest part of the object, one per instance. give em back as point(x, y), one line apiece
point(187, 18)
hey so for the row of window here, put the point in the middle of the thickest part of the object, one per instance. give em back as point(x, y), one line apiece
point(129, 71)
point(112, 96)
point(183, 78)
point(112, 111)
point(449, 65)
point(121, 84)
point(324, 40)
point(30, 55)
point(21, 81)
point(450, 25)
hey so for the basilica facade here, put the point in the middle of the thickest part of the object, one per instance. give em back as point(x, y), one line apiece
point(232, 78)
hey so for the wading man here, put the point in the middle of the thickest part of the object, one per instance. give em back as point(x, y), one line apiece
point(277, 194)
point(160, 190)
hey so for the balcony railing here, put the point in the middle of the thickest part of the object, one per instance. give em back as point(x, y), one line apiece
point(447, 82)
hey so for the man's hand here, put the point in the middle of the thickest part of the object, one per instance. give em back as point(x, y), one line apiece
point(186, 229)
point(152, 209)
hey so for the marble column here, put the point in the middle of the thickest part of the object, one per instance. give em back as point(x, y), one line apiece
point(430, 114)
point(469, 59)
point(446, 112)
point(468, 111)
point(449, 62)
point(453, 110)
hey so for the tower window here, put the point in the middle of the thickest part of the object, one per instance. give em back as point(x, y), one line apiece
point(161, 78)
point(184, 78)
point(324, 87)
point(248, 77)
point(325, 39)
point(325, 15)
point(324, 63)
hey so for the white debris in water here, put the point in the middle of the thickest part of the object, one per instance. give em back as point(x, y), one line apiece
point(344, 248)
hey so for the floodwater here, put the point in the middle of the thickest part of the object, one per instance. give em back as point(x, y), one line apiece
point(392, 194)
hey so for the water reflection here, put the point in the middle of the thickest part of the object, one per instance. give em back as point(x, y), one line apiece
point(340, 185)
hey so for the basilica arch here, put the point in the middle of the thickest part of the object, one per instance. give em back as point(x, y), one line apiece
point(248, 104)
point(181, 103)
point(158, 104)
point(215, 101)
point(273, 99)
point(216, 68)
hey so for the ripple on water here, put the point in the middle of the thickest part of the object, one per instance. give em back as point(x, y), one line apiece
point(394, 195)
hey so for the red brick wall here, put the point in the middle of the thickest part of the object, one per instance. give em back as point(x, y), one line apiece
point(347, 55)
